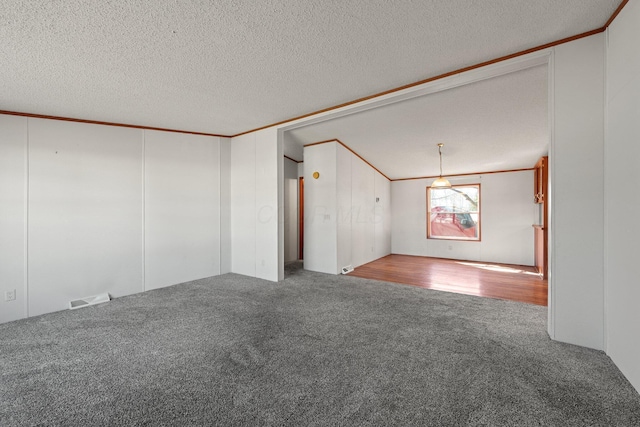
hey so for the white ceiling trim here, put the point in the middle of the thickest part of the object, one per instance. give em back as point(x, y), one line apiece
point(497, 69)
point(467, 77)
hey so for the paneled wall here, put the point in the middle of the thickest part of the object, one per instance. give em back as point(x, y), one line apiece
point(13, 216)
point(362, 210)
point(621, 184)
point(243, 210)
point(507, 213)
point(181, 209)
point(257, 205)
point(321, 250)
point(225, 205)
point(345, 199)
point(344, 224)
point(576, 253)
point(382, 216)
point(86, 209)
point(85, 205)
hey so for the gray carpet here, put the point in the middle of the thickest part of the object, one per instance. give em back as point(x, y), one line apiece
point(312, 350)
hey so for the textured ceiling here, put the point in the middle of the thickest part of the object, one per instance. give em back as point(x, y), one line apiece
point(229, 66)
point(494, 124)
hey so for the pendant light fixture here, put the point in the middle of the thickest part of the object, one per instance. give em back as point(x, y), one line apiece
point(441, 182)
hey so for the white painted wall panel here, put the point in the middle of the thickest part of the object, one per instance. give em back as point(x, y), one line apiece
point(320, 209)
point(268, 166)
point(344, 206)
point(243, 205)
point(623, 61)
point(622, 180)
point(507, 213)
point(225, 205)
point(290, 210)
point(182, 208)
point(362, 212)
point(257, 203)
point(347, 226)
point(279, 267)
point(408, 218)
point(576, 232)
point(382, 216)
point(291, 148)
point(13, 196)
point(85, 212)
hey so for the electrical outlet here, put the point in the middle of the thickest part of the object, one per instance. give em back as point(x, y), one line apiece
point(10, 295)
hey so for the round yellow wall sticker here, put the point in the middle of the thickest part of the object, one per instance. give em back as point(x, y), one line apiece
point(316, 175)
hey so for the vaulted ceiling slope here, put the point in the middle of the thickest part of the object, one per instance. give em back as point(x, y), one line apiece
point(496, 124)
point(229, 66)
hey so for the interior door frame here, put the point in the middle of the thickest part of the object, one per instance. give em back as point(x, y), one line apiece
point(301, 217)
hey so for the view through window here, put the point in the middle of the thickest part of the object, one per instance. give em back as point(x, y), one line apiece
point(454, 213)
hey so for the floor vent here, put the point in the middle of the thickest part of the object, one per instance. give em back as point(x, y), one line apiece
point(84, 302)
point(347, 269)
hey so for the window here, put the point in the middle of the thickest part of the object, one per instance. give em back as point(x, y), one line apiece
point(454, 213)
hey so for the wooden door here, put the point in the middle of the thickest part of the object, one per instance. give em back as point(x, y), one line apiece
point(540, 191)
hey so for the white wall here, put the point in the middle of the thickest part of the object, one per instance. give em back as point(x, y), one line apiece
point(182, 208)
point(344, 201)
point(576, 223)
point(102, 210)
point(509, 219)
point(343, 223)
point(225, 205)
point(370, 219)
point(362, 212)
point(13, 208)
point(85, 212)
point(256, 196)
point(622, 181)
point(290, 210)
point(243, 205)
point(382, 216)
point(507, 213)
point(320, 209)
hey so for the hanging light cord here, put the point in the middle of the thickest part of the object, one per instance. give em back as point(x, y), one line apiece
point(440, 153)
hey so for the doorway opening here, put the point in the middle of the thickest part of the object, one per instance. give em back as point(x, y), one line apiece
point(301, 218)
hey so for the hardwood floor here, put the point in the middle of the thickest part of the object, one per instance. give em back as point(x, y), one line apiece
point(502, 281)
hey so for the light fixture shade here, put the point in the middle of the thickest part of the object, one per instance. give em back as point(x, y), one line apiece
point(441, 183)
